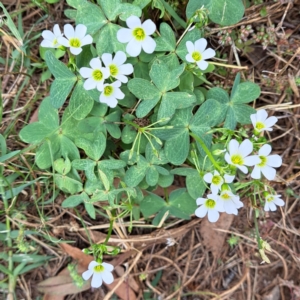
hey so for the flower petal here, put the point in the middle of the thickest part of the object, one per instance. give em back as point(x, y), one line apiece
point(96, 280)
point(253, 119)
point(274, 161)
point(271, 121)
point(116, 84)
point(133, 22)
point(108, 267)
point(107, 277)
point(56, 30)
point(100, 86)
point(89, 84)
point(86, 72)
point(119, 94)
point(200, 201)
point(190, 46)
point(95, 63)
point(227, 158)
point(149, 27)
point(252, 160)
point(229, 178)
point(87, 40)
point(201, 211)
point(107, 59)
point(134, 48)
point(272, 206)
point(202, 65)
point(92, 265)
point(278, 201)
point(256, 173)
point(233, 147)
point(69, 31)
point(189, 58)
point(214, 189)
point(149, 45)
point(47, 44)
point(213, 215)
point(245, 148)
point(200, 45)
point(208, 53)
point(230, 208)
point(208, 177)
point(120, 58)
point(121, 78)
point(126, 69)
point(243, 169)
point(80, 31)
point(87, 274)
point(48, 35)
point(63, 41)
point(262, 115)
point(269, 172)
point(265, 150)
point(124, 35)
point(75, 51)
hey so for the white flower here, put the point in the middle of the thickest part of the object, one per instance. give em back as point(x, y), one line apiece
point(137, 36)
point(272, 201)
point(261, 121)
point(217, 180)
point(75, 39)
point(198, 54)
point(96, 75)
point(230, 202)
point(238, 155)
point(100, 272)
point(111, 93)
point(267, 163)
point(51, 38)
point(116, 65)
point(210, 206)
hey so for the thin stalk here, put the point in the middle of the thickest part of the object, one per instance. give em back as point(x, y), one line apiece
point(186, 30)
point(111, 223)
point(228, 66)
point(208, 153)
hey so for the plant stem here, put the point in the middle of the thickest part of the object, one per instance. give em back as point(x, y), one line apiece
point(257, 231)
point(208, 153)
point(111, 223)
point(186, 30)
point(228, 66)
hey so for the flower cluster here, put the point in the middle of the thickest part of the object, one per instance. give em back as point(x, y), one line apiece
point(114, 68)
point(74, 39)
point(222, 199)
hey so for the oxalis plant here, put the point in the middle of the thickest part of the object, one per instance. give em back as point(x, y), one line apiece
point(133, 106)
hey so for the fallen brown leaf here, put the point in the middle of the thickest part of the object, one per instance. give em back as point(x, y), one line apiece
point(213, 240)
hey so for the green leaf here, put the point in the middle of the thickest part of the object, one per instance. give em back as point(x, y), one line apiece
point(183, 171)
point(93, 149)
point(68, 148)
point(48, 115)
point(236, 82)
point(75, 200)
point(177, 149)
point(67, 184)
point(88, 166)
point(164, 78)
point(172, 101)
point(223, 12)
point(141, 3)
point(112, 164)
point(182, 203)
point(195, 185)
point(186, 82)
point(166, 41)
point(35, 132)
point(81, 103)
point(143, 89)
point(128, 134)
point(245, 92)
point(152, 176)
point(243, 112)
point(104, 179)
point(165, 180)
point(17, 190)
point(134, 175)
point(64, 80)
point(151, 204)
point(62, 166)
point(88, 14)
point(47, 153)
point(89, 207)
point(107, 41)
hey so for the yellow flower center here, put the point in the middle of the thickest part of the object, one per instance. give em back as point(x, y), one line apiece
point(263, 161)
point(54, 42)
point(99, 268)
point(113, 70)
point(75, 42)
point(139, 34)
point(97, 75)
point(269, 198)
point(237, 159)
point(260, 126)
point(196, 55)
point(210, 203)
point(216, 179)
point(108, 90)
point(225, 196)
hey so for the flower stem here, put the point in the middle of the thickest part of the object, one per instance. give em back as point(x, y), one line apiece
point(208, 153)
point(228, 66)
point(111, 223)
point(186, 30)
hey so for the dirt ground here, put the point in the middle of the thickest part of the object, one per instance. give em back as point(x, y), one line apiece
point(198, 262)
